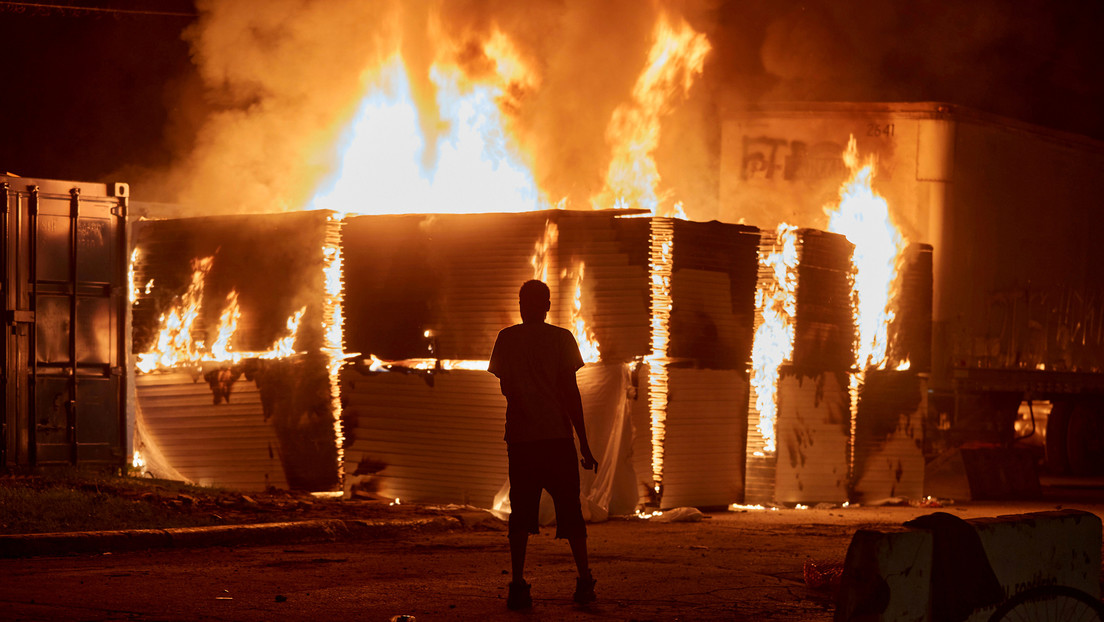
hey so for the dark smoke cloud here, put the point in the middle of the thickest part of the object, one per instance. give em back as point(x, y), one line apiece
point(1033, 60)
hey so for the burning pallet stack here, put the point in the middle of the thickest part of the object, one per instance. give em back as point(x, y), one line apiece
point(841, 433)
point(456, 294)
point(799, 452)
point(664, 310)
point(888, 458)
point(238, 414)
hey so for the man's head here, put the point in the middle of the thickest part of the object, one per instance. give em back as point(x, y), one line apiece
point(535, 300)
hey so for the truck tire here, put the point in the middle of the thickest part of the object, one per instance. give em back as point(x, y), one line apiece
point(1057, 433)
point(1085, 439)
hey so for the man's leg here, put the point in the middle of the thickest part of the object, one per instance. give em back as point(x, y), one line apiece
point(579, 552)
point(518, 543)
point(524, 504)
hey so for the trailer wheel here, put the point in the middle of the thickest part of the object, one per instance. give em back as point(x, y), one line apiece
point(1057, 431)
point(1085, 439)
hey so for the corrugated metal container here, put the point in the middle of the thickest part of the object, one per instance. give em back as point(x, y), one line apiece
point(63, 281)
point(713, 290)
point(703, 438)
point(814, 431)
point(438, 437)
point(231, 445)
point(276, 264)
point(410, 274)
point(423, 438)
point(889, 435)
point(703, 458)
point(458, 277)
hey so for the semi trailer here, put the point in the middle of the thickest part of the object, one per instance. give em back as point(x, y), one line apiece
point(1013, 214)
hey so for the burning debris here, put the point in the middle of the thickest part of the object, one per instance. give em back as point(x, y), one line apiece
point(438, 207)
point(247, 281)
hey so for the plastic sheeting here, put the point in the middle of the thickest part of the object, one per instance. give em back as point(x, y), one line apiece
point(612, 490)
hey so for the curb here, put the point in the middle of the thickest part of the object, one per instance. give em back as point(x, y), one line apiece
point(331, 530)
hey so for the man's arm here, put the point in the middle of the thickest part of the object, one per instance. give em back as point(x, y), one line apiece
point(574, 403)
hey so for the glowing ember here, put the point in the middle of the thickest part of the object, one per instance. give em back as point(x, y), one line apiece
point(376, 364)
point(775, 307)
point(736, 507)
point(863, 217)
point(588, 343)
point(675, 59)
point(662, 239)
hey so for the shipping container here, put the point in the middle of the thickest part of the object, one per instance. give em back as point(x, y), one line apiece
point(64, 286)
point(1012, 214)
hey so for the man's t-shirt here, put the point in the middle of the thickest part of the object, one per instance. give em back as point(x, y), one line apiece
point(529, 358)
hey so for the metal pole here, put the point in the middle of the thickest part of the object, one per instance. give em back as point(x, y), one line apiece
point(71, 411)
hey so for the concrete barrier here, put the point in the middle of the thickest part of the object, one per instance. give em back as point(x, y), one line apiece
point(891, 575)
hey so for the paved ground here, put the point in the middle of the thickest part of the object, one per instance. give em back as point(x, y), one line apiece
point(731, 566)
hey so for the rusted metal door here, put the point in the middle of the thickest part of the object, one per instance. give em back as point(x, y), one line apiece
point(64, 347)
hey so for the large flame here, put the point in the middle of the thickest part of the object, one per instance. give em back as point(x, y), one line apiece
point(676, 58)
point(176, 345)
point(775, 306)
point(588, 343)
point(863, 217)
point(471, 165)
point(542, 251)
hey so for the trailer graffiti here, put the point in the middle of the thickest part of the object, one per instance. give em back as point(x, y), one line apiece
point(764, 156)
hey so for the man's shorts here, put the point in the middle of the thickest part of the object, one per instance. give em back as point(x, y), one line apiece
point(551, 465)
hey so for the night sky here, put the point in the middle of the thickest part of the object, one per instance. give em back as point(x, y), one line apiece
point(102, 96)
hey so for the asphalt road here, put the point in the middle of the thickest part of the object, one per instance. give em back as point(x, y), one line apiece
point(730, 566)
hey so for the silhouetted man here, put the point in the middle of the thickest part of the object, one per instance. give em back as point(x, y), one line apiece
point(536, 364)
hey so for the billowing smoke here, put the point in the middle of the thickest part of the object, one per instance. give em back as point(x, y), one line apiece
point(283, 78)
point(1030, 60)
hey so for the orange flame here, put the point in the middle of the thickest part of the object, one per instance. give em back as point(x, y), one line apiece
point(174, 343)
point(863, 217)
point(542, 251)
point(588, 343)
point(472, 165)
point(132, 286)
point(674, 61)
point(228, 325)
point(775, 306)
point(176, 347)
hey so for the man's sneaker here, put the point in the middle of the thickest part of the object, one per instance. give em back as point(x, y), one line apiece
point(519, 597)
point(584, 590)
